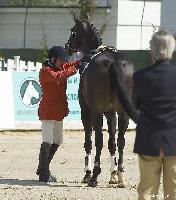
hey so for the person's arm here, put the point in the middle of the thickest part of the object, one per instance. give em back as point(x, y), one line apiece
point(47, 74)
point(71, 63)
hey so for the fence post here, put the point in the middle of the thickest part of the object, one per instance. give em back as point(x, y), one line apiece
point(11, 65)
point(23, 66)
point(31, 66)
point(3, 65)
point(38, 66)
point(17, 62)
point(1, 60)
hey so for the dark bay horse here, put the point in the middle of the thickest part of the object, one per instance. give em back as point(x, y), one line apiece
point(105, 88)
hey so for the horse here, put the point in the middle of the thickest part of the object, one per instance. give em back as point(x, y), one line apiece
point(105, 89)
point(29, 94)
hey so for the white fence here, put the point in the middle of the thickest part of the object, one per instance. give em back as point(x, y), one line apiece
point(19, 65)
point(14, 113)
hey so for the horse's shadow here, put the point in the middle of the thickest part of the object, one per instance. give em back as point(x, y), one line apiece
point(13, 182)
point(28, 182)
point(33, 182)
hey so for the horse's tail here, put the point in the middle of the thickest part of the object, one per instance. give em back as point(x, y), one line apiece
point(122, 91)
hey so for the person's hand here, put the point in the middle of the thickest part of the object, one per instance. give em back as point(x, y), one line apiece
point(83, 61)
point(71, 63)
point(79, 65)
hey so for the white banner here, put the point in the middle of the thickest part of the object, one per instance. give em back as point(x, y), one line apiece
point(15, 113)
point(7, 120)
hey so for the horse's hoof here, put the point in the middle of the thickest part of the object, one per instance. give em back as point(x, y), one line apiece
point(114, 178)
point(121, 185)
point(85, 180)
point(87, 177)
point(92, 183)
point(121, 180)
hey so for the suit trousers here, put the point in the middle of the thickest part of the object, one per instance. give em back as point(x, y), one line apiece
point(52, 131)
point(151, 168)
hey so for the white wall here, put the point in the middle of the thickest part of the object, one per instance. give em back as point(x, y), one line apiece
point(168, 15)
point(129, 23)
point(55, 23)
point(6, 101)
point(123, 25)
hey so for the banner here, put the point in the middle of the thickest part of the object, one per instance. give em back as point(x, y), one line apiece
point(6, 101)
point(21, 95)
point(27, 96)
point(72, 97)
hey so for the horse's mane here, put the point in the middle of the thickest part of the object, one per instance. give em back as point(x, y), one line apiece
point(93, 34)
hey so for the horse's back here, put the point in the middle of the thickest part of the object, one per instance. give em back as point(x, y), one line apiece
point(98, 84)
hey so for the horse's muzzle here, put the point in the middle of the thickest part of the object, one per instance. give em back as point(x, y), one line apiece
point(67, 46)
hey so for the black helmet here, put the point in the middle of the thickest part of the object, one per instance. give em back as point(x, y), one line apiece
point(57, 51)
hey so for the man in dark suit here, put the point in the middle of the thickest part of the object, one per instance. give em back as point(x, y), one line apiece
point(155, 97)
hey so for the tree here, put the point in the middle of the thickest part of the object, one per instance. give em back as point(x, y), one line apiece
point(87, 8)
point(43, 52)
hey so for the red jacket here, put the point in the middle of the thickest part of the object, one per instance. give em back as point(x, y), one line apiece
point(53, 105)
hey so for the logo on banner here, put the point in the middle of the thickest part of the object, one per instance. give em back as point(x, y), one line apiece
point(30, 92)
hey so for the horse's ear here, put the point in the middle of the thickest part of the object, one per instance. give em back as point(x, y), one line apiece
point(77, 20)
point(75, 16)
point(87, 17)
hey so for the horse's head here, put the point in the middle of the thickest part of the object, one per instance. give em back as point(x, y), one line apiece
point(84, 36)
point(30, 94)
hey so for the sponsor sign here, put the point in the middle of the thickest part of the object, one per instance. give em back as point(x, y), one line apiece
point(72, 96)
point(27, 95)
point(6, 101)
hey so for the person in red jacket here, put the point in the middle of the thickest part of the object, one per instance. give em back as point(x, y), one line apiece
point(53, 106)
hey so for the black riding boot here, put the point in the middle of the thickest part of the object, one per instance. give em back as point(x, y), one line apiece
point(43, 167)
point(52, 152)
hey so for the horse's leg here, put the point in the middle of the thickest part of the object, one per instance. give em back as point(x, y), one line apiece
point(97, 120)
point(123, 121)
point(112, 123)
point(86, 120)
point(87, 124)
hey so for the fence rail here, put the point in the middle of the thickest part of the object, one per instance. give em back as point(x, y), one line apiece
point(19, 65)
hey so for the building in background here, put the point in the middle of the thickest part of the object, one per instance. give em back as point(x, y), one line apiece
point(130, 23)
point(51, 24)
point(168, 15)
point(137, 20)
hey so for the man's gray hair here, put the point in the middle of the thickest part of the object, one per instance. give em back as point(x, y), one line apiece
point(162, 45)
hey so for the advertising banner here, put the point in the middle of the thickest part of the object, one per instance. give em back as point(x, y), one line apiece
point(27, 96)
point(20, 97)
point(72, 96)
point(6, 101)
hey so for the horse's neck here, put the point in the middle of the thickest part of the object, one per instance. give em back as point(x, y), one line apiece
point(103, 48)
point(91, 53)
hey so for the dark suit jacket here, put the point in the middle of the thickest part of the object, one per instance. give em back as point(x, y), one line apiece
point(155, 97)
